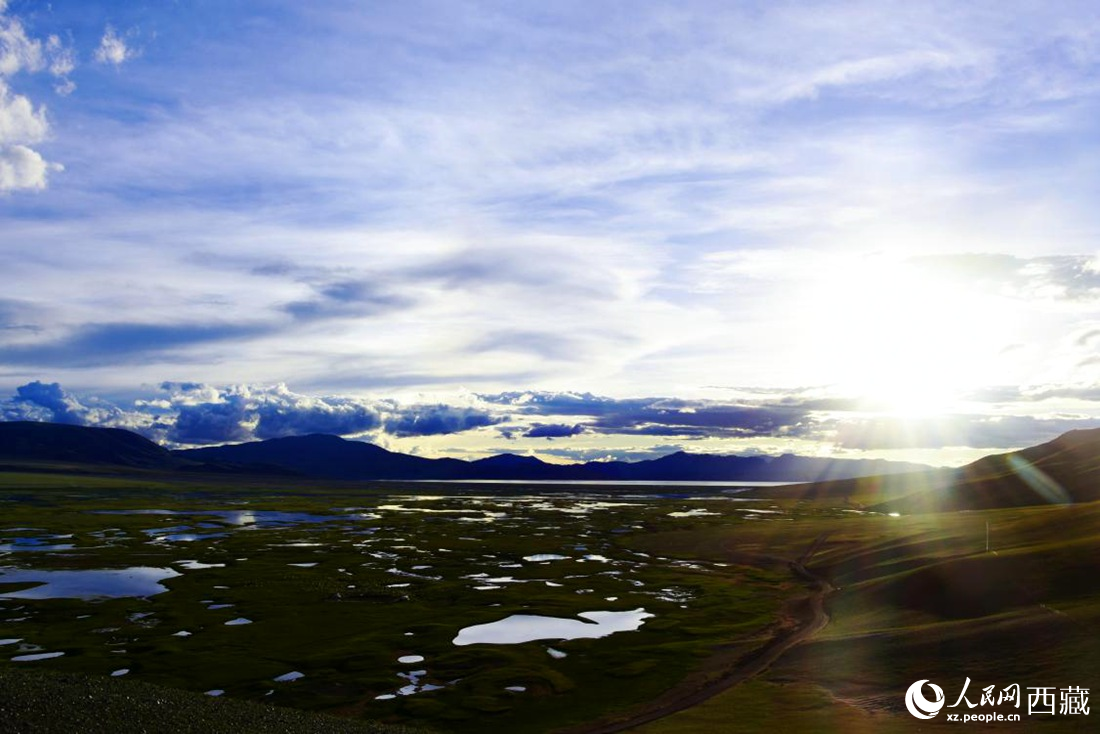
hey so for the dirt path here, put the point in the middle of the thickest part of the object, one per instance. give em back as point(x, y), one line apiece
point(806, 619)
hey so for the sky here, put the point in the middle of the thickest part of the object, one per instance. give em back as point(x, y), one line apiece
point(579, 230)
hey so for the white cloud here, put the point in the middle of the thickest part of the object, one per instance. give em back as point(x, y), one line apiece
point(23, 168)
point(62, 63)
point(62, 60)
point(113, 49)
point(18, 51)
point(20, 122)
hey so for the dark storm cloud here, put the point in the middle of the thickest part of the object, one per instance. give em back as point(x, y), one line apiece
point(672, 417)
point(209, 423)
point(431, 420)
point(123, 343)
point(244, 413)
point(47, 402)
point(340, 418)
point(182, 387)
point(248, 415)
point(554, 430)
point(41, 401)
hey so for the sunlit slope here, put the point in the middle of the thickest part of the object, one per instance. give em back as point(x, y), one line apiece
point(1065, 470)
point(927, 600)
point(917, 597)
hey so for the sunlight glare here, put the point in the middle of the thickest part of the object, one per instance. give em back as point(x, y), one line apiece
point(900, 340)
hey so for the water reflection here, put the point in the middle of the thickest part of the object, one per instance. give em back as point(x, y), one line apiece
point(87, 584)
point(36, 656)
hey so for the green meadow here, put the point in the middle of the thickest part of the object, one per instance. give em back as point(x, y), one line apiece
point(339, 584)
point(352, 597)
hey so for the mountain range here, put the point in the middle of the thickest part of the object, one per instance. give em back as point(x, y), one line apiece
point(1064, 470)
point(331, 457)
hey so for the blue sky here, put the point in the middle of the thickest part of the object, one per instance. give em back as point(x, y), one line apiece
point(577, 229)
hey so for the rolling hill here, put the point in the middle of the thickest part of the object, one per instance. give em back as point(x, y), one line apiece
point(1065, 470)
point(24, 441)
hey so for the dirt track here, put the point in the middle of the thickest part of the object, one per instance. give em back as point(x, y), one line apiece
point(806, 620)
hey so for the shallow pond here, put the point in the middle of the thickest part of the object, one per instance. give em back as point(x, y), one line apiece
point(519, 628)
point(86, 584)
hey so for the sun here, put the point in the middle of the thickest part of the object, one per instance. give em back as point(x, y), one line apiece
point(900, 340)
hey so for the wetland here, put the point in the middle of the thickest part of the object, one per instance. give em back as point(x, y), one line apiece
point(530, 609)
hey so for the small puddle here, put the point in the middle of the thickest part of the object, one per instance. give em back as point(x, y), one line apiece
point(36, 656)
point(196, 565)
point(22, 545)
point(697, 512)
point(414, 686)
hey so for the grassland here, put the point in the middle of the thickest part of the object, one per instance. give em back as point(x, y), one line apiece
point(394, 575)
point(917, 596)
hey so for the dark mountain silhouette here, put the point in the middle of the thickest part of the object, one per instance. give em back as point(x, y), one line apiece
point(329, 457)
point(55, 446)
point(332, 457)
point(25, 441)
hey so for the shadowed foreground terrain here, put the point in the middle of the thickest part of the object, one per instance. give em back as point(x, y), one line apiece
point(34, 702)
